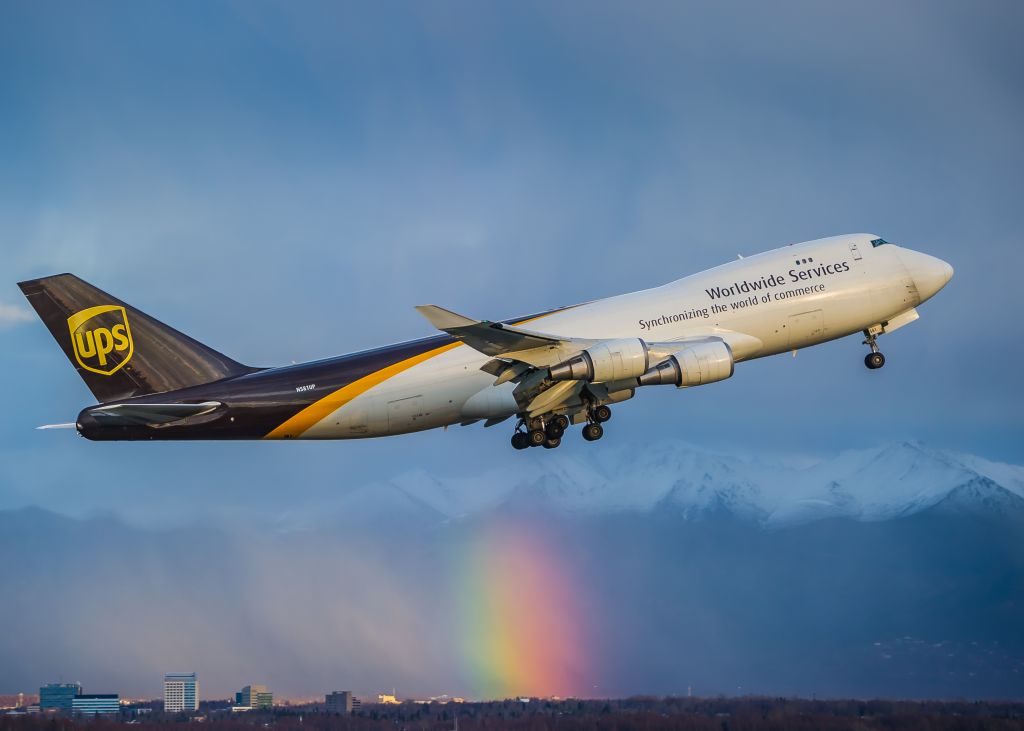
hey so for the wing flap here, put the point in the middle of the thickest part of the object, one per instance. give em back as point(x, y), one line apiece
point(553, 397)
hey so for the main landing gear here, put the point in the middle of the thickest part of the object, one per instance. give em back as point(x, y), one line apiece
point(598, 415)
point(548, 433)
point(873, 360)
point(540, 434)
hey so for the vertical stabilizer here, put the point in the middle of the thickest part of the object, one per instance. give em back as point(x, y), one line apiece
point(119, 351)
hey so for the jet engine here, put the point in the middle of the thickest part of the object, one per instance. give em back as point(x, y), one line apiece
point(693, 365)
point(609, 360)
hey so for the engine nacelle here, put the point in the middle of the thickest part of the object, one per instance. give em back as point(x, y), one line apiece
point(693, 365)
point(611, 360)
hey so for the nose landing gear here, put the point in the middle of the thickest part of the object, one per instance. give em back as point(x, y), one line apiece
point(873, 360)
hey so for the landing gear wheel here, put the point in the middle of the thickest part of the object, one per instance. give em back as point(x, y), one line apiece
point(537, 437)
point(602, 414)
point(874, 360)
point(552, 443)
point(593, 432)
point(555, 430)
point(520, 440)
point(563, 421)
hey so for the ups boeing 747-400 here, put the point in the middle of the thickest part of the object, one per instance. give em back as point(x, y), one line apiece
point(547, 372)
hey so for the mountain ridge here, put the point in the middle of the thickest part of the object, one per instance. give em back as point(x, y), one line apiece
point(881, 483)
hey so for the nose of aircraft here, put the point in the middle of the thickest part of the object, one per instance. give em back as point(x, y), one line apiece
point(930, 274)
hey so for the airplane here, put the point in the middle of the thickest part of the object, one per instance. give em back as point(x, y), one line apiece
point(548, 371)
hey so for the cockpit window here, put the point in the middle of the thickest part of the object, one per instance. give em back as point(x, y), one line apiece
point(878, 242)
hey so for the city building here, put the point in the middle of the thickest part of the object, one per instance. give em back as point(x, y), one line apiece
point(181, 692)
point(95, 703)
point(254, 696)
point(17, 700)
point(388, 699)
point(58, 696)
point(341, 701)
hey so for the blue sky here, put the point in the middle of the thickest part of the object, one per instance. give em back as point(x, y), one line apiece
point(286, 181)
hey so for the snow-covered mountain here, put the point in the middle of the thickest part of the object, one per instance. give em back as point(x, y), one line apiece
point(867, 485)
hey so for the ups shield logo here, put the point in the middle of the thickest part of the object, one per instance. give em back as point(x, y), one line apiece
point(101, 338)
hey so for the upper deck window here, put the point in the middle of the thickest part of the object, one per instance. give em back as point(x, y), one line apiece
point(878, 242)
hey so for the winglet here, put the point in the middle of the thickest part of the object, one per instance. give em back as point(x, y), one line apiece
point(444, 319)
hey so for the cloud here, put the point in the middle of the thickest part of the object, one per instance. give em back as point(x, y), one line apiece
point(11, 315)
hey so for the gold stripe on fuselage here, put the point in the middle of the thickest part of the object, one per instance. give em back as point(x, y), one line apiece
point(297, 425)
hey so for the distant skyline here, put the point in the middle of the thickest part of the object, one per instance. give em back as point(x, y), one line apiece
point(287, 181)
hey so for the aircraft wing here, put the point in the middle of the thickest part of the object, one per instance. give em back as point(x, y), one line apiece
point(541, 350)
point(524, 356)
point(499, 340)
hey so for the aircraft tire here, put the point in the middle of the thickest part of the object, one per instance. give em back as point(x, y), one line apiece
point(555, 430)
point(552, 443)
point(593, 432)
point(563, 421)
point(537, 437)
point(874, 361)
point(602, 414)
point(520, 440)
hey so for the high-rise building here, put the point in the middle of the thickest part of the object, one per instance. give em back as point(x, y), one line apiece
point(341, 701)
point(181, 692)
point(58, 696)
point(255, 696)
point(95, 703)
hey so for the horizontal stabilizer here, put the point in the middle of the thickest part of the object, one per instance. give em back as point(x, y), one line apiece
point(143, 414)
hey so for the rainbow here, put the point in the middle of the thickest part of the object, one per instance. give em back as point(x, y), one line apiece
point(521, 612)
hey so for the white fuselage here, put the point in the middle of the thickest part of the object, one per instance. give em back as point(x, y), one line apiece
point(781, 300)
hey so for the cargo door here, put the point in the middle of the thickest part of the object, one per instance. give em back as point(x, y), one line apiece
point(405, 414)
